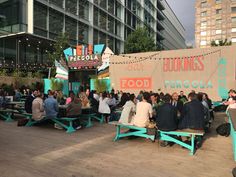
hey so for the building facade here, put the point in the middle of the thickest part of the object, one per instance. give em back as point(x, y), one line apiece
point(215, 21)
point(28, 28)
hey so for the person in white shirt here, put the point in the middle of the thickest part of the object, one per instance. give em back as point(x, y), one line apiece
point(128, 111)
point(103, 107)
point(143, 112)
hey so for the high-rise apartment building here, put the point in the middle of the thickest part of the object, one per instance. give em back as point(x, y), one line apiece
point(28, 28)
point(215, 21)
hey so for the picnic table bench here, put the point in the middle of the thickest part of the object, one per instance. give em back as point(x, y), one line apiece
point(232, 120)
point(141, 132)
point(171, 136)
point(7, 114)
point(60, 121)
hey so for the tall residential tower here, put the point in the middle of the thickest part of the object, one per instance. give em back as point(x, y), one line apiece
point(215, 21)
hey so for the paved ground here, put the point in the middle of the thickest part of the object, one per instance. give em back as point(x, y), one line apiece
point(43, 151)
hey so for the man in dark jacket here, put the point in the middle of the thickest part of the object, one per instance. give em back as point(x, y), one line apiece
point(176, 103)
point(193, 114)
point(29, 100)
point(166, 115)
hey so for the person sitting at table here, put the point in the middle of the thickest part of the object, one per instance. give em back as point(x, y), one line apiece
point(177, 104)
point(29, 100)
point(74, 110)
point(84, 100)
point(128, 111)
point(51, 108)
point(38, 112)
point(71, 96)
point(167, 115)
point(192, 114)
point(103, 107)
point(143, 112)
point(182, 97)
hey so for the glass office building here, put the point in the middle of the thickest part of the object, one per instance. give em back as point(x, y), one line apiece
point(28, 28)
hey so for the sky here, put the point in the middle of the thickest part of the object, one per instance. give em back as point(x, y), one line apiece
point(185, 11)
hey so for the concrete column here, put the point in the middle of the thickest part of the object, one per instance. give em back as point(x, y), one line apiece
point(90, 32)
point(30, 16)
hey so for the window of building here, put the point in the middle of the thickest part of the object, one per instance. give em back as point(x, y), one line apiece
point(58, 3)
point(233, 9)
point(111, 6)
point(218, 1)
point(71, 6)
point(233, 19)
point(203, 43)
point(218, 31)
point(203, 14)
point(55, 23)
point(233, 39)
point(203, 33)
point(233, 30)
point(83, 33)
point(203, 4)
point(217, 41)
point(40, 19)
point(84, 9)
point(218, 11)
point(71, 27)
point(203, 24)
point(218, 21)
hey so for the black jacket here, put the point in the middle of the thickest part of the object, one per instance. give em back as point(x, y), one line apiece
point(166, 117)
point(28, 103)
point(192, 115)
point(179, 106)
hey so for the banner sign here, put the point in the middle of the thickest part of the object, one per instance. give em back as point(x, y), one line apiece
point(84, 56)
point(210, 70)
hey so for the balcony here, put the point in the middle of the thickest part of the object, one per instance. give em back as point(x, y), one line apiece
point(160, 25)
point(160, 36)
point(160, 15)
point(160, 5)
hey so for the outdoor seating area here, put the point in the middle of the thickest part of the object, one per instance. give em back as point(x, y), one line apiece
point(37, 151)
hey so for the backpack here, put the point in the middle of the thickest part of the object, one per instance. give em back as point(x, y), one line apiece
point(223, 129)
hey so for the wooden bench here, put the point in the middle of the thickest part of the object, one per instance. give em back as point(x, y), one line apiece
point(232, 120)
point(173, 136)
point(141, 132)
point(7, 114)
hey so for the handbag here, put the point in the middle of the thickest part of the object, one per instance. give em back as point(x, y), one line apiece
point(152, 128)
point(223, 129)
point(22, 122)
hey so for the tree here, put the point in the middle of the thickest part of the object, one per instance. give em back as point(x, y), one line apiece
point(139, 41)
point(221, 43)
point(62, 42)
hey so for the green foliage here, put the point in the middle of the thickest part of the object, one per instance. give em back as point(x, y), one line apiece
point(8, 88)
point(37, 85)
point(3, 72)
point(100, 85)
point(62, 42)
point(38, 75)
point(221, 43)
point(139, 41)
point(56, 84)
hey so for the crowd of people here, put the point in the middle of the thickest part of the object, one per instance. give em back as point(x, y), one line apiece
point(168, 112)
